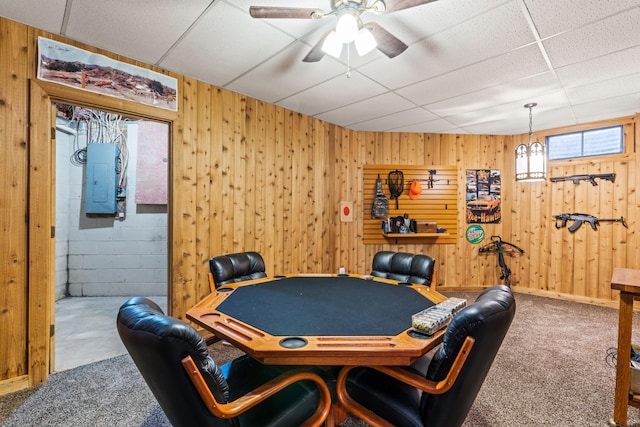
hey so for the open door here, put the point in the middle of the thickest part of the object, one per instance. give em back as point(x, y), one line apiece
point(41, 234)
point(52, 205)
point(41, 212)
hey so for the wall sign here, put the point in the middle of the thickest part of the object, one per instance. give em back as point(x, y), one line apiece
point(475, 234)
point(346, 211)
point(483, 196)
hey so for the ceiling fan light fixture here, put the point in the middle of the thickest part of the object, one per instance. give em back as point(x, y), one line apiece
point(365, 42)
point(332, 45)
point(348, 25)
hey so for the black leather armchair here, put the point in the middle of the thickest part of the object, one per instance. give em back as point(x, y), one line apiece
point(441, 395)
point(233, 268)
point(193, 391)
point(404, 267)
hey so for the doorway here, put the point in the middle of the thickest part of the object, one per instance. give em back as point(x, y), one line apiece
point(103, 256)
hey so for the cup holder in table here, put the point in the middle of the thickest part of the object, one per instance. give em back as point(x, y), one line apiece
point(293, 342)
point(420, 335)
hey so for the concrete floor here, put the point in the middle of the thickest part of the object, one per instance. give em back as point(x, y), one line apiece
point(86, 329)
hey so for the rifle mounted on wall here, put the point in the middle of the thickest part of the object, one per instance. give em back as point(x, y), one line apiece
point(579, 219)
point(591, 177)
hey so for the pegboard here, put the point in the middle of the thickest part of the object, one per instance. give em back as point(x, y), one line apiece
point(438, 202)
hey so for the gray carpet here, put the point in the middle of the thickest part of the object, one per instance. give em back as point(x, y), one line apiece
point(552, 370)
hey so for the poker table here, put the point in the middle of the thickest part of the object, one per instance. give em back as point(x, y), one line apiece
point(320, 319)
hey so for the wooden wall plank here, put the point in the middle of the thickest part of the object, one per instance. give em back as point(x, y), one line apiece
point(14, 174)
point(217, 147)
point(270, 215)
point(41, 242)
point(203, 185)
point(185, 264)
point(259, 148)
point(287, 226)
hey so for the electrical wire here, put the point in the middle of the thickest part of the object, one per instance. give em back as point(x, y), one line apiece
point(611, 356)
point(99, 127)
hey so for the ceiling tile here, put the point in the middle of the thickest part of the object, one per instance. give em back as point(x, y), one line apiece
point(616, 64)
point(284, 75)
point(511, 66)
point(522, 90)
point(491, 34)
point(551, 118)
point(606, 89)
point(333, 94)
point(378, 106)
point(554, 17)
point(47, 15)
point(432, 126)
point(511, 111)
point(413, 24)
point(611, 107)
point(597, 116)
point(214, 51)
point(172, 17)
point(603, 37)
point(395, 120)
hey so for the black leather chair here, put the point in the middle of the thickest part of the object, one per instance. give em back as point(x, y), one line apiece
point(442, 394)
point(193, 391)
point(404, 267)
point(233, 268)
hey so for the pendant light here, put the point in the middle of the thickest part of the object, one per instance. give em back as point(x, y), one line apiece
point(531, 159)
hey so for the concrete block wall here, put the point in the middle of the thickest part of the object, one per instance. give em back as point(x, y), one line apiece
point(110, 257)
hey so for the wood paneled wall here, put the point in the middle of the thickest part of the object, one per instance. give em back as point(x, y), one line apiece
point(246, 175)
point(14, 131)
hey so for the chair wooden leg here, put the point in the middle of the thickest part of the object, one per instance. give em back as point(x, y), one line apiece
point(337, 415)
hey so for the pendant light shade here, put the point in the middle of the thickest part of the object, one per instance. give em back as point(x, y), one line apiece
point(347, 27)
point(531, 159)
point(365, 42)
point(332, 45)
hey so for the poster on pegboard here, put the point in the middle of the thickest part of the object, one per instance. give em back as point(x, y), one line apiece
point(483, 196)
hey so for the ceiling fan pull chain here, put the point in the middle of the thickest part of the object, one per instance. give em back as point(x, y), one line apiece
point(349, 61)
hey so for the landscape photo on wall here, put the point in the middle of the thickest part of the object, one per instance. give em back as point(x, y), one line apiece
point(65, 64)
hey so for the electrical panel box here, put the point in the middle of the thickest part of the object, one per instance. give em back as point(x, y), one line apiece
point(101, 183)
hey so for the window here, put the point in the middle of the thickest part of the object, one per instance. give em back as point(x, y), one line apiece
point(595, 142)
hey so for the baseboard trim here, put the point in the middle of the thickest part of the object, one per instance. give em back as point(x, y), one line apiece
point(540, 293)
point(14, 384)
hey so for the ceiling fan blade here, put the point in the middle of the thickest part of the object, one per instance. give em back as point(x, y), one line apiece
point(394, 5)
point(316, 53)
point(283, 12)
point(388, 44)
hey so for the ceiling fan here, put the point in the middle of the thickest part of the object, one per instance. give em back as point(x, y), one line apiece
point(349, 28)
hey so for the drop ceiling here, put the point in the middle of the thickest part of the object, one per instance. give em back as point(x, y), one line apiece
point(470, 67)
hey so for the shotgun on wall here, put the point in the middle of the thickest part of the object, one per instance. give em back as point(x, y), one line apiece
point(591, 177)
